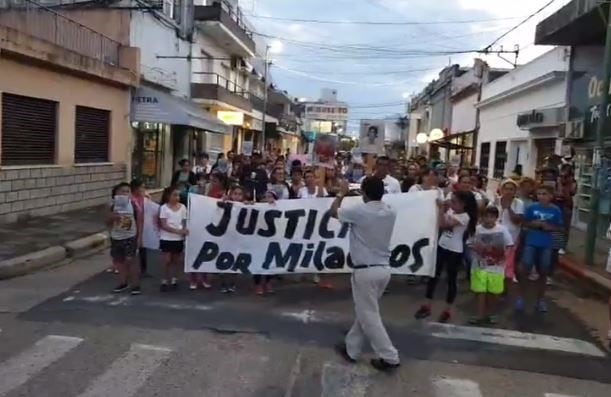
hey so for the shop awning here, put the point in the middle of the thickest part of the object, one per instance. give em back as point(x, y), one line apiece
point(154, 106)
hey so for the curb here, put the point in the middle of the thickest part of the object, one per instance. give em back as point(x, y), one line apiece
point(24, 264)
point(82, 246)
point(600, 282)
point(21, 265)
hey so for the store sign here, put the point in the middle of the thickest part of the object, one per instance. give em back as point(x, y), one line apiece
point(540, 118)
point(335, 112)
point(586, 90)
point(533, 117)
point(230, 118)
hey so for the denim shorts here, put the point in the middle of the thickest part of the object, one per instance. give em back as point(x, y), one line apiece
point(538, 257)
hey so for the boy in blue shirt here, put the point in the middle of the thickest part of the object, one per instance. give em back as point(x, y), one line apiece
point(540, 220)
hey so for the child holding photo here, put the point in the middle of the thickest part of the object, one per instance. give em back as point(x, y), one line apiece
point(124, 232)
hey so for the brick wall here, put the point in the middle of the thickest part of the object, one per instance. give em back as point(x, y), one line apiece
point(33, 192)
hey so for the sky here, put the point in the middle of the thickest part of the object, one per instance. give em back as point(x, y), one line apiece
point(376, 66)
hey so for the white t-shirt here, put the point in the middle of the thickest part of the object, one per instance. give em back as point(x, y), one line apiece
point(418, 188)
point(489, 248)
point(452, 240)
point(174, 219)
point(391, 184)
point(304, 193)
point(371, 227)
point(518, 208)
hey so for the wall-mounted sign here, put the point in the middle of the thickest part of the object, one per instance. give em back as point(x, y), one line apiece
point(230, 118)
point(540, 118)
point(533, 117)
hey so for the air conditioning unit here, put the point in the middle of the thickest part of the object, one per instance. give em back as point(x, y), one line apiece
point(574, 129)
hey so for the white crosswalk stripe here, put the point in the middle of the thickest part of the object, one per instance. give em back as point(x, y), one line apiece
point(134, 369)
point(18, 370)
point(557, 395)
point(516, 338)
point(129, 373)
point(450, 387)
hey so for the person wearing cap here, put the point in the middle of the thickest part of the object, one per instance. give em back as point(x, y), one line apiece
point(371, 225)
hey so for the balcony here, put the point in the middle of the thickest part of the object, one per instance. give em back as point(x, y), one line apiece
point(257, 103)
point(214, 87)
point(580, 22)
point(226, 26)
point(30, 30)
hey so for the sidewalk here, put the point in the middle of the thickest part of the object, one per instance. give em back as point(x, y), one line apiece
point(574, 261)
point(43, 241)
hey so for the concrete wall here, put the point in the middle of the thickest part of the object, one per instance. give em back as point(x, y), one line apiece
point(40, 191)
point(556, 59)
point(464, 114)
point(154, 38)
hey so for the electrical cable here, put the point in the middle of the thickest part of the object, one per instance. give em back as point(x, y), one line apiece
point(528, 18)
point(388, 23)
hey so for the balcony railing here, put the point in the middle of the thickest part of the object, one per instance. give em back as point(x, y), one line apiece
point(214, 86)
point(34, 19)
point(231, 17)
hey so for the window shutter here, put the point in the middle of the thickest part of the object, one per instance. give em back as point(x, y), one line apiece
point(29, 128)
point(92, 129)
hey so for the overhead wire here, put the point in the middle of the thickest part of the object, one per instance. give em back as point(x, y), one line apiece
point(383, 23)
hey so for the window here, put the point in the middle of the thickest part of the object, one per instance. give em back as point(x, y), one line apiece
point(92, 133)
point(168, 8)
point(484, 158)
point(29, 128)
point(500, 158)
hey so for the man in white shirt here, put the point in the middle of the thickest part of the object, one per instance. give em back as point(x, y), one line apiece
point(382, 171)
point(371, 226)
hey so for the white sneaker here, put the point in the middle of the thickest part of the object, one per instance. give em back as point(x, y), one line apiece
point(533, 277)
point(316, 279)
point(561, 252)
point(193, 286)
point(549, 282)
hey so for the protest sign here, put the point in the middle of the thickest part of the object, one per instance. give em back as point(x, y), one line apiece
point(247, 148)
point(372, 134)
point(150, 225)
point(299, 236)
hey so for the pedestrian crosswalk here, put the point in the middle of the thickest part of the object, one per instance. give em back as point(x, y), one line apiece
point(138, 365)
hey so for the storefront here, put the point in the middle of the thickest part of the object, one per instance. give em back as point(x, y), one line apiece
point(167, 129)
point(585, 94)
point(457, 148)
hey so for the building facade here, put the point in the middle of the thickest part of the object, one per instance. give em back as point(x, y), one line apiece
point(64, 112)
point(581, 25)
point(522, 117)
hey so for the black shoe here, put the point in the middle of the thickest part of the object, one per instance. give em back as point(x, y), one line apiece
point(120, 288)
point(341, 350)
point(382, 365)
point(225, 290)
point(232, 288)
point(174, 286)
point(135, 291)
point(423, 312)
point(163, 288)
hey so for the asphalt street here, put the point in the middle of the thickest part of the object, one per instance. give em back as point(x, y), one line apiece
point(64, 334)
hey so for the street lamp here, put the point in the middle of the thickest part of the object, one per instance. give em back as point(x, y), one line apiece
point(435, 134)
point(275, 47)
point(422, 138)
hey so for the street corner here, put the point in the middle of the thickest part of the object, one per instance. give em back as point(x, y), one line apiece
point(21, 265)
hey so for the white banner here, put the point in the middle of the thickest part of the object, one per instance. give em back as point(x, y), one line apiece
point(299, 236)
point(150, 225)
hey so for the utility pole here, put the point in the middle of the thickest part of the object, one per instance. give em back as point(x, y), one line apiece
point(599, 149)
point(266, 71)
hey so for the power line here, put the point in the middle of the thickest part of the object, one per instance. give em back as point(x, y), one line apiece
point(388, 23)
point(528, 18)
